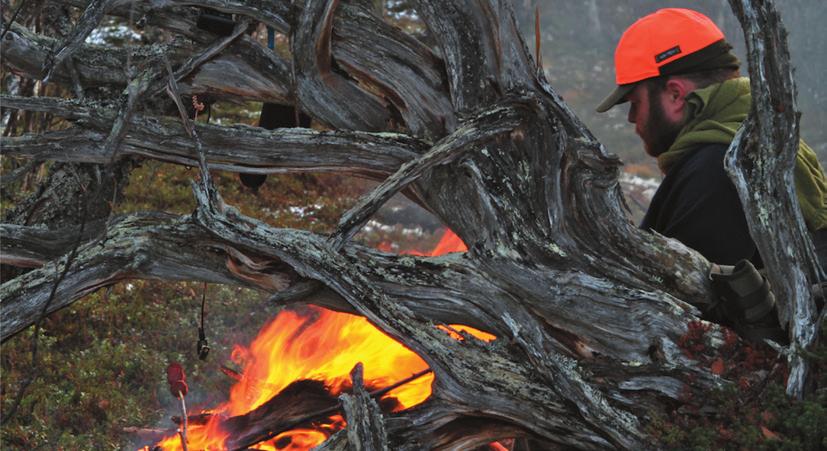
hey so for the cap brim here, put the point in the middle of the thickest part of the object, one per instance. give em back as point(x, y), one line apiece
point(617, 96)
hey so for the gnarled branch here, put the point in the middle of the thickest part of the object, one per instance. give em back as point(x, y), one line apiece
point(234, 148)
point(760, 162)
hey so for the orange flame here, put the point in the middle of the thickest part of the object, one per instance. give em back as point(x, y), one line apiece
point(450, 242)
point(293, 347)
point(322, 345)
point(454, 330)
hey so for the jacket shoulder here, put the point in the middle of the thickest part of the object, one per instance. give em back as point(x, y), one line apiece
point(707, 158)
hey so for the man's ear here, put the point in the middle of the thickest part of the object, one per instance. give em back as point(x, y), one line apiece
point(674, 96)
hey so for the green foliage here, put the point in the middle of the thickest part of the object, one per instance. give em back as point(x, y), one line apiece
point(310, 201)
point(102, 362)
point(751, 415)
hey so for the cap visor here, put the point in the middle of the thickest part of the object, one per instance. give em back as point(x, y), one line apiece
point(617, 96)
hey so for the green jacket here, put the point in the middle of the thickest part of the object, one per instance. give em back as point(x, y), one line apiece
point(716, 113)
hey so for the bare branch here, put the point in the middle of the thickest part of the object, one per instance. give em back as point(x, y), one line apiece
point(233, 148)
point(467, 46)
point(68, 108)
point(137, 246)
point(180, 20)
point(245, 71)
point(469, 137)
point(129, 102)
point(77, 86)
point(407, 72)
point(32, 246)
point(760, 161)
point(482, 47)
point(517, 71)
point(90, 19)
point(149, 246)
point(199, 58)
point(328, 96)
point(272, 13)
point(298, 291)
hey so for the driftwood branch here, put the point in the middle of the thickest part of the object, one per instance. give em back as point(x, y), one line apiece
point(152, 246)
point(91, 18)
point(407, 73)
point(138, 246)
point(410, 75)
point(32, 247)
point(311, 257)
point(472, 136)
point(760, 162)
point(234, 148)
point(133, 92)
point(328, 94)
point(198, 59)
point(274, 14)
point(245, 71)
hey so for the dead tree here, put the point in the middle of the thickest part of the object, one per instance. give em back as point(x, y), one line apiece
point(588, 308)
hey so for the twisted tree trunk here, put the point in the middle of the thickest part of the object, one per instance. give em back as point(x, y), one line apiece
point(588, 309)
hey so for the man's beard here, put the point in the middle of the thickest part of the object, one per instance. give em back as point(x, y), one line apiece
point(659, 134)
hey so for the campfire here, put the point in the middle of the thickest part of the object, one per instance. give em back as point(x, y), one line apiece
point(304, 357)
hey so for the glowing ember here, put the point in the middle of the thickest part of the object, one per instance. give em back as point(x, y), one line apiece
point(455, 329)
point(318, 344)
point(450, 242)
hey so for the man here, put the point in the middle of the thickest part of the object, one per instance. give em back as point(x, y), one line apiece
point(687, 100)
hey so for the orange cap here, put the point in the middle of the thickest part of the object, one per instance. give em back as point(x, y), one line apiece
point(660, 38)
point(655, 41)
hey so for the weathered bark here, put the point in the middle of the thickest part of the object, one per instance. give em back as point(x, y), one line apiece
point(91, 18)
point(588, 309)
point(70, 193)
point(147, 246)
point(233, 148)
point(245, 71)
point(760, 163)
point(365, 426)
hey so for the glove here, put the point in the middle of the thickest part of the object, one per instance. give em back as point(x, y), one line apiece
point(746, 302)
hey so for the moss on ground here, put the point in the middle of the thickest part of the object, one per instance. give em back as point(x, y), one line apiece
point(753, 412)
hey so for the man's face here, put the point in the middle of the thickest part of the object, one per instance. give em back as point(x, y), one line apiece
point(646, 111)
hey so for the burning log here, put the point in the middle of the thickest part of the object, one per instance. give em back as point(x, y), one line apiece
point(287, 410)
point(365, 426)
point(336, 442)
point(281, 413)
point(273, 418)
